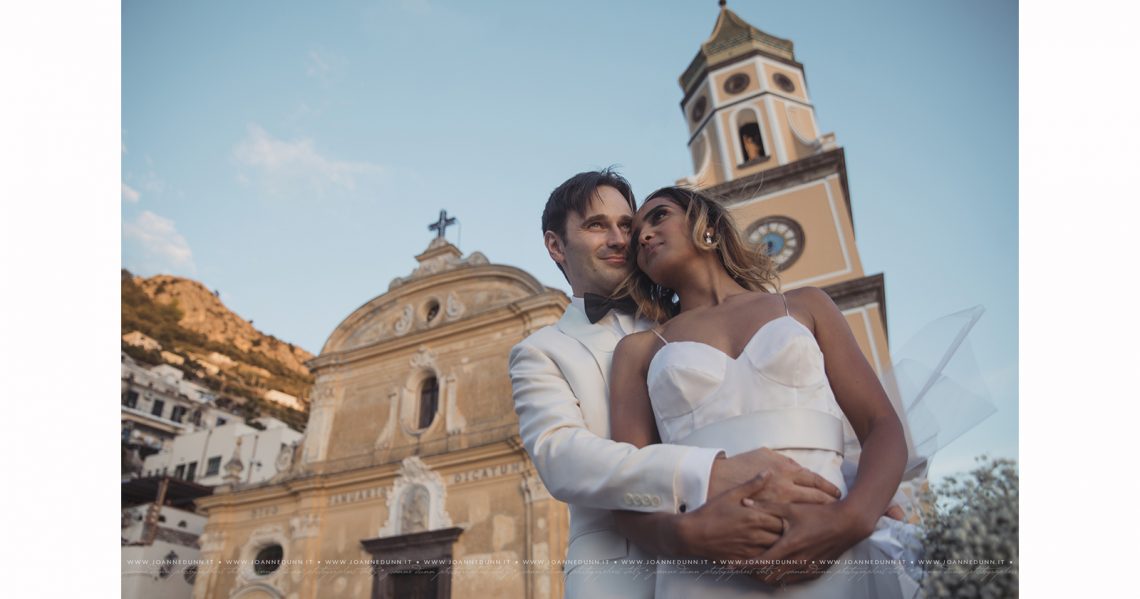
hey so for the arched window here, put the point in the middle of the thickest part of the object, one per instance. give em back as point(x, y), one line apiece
point(749, 137)
point(429, 402)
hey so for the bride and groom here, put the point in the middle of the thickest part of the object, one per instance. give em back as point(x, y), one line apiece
point(709, 427)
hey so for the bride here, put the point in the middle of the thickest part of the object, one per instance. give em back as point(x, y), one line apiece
point(734, 365)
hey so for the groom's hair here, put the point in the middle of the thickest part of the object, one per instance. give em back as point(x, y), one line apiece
point(576, 193)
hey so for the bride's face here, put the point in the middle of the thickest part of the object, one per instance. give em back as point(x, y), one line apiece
point(663, 237)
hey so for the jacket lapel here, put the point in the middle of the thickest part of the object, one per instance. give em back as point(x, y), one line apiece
point(599, 340)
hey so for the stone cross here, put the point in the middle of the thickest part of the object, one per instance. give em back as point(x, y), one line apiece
point(441, 225)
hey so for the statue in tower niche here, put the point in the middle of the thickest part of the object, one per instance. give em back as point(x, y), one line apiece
point(752, 147)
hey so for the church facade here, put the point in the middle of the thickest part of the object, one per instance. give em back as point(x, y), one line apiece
point(411, 480)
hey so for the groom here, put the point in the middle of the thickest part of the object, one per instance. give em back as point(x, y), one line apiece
point(560, 380)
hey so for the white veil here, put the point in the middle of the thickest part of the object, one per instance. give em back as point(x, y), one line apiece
point(936, 381)
point(937, 386)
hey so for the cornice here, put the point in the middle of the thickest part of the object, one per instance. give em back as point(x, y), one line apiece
point(804, 170)
point(449, 331)
point(860, 292)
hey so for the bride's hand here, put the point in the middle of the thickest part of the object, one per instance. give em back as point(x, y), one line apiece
point(811, 533)
point(728, 527)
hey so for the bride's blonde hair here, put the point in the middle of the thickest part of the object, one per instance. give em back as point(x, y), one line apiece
point(745, 262)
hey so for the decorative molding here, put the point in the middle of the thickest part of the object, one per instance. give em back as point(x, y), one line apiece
point(284, 459)
point(440, 256)
point(454, 308)
point(305, 526)
point(532, 487)
point(415, 473)
point(404, 323)
point(423, 359)
point(212, 541)
point(454, 418)
point(327, 390)
point(385, 436)
point(260, 538)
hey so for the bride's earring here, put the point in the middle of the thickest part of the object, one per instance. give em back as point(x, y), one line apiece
point(708, 238)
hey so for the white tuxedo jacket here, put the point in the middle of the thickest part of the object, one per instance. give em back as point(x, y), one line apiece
point(560, 377)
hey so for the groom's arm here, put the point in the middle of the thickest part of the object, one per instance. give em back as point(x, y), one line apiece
point(580, 467)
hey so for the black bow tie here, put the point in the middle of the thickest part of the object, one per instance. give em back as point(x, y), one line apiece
point(597, 306)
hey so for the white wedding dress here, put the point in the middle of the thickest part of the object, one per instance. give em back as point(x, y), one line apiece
point(775, 394)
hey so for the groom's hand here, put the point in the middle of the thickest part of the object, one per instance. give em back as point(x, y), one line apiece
point(786, 480)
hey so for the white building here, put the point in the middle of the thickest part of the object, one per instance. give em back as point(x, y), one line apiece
point(202, 456)
point(158, 404)
point(160, 538)
point(284, 399)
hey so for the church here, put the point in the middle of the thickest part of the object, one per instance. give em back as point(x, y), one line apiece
point(411, 480)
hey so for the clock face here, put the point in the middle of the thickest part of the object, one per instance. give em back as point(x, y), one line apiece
point(781, 238)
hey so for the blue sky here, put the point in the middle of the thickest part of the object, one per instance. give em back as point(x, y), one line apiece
point(291, 155)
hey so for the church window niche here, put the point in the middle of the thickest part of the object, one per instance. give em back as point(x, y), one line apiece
point(751, 142)
point(429, 402)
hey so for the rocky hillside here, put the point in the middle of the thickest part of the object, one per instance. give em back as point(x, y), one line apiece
point(213, 346)
point(204, 313)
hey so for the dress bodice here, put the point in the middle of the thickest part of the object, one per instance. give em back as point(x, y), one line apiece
point(774, 394)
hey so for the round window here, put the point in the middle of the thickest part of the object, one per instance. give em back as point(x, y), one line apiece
point(268, 560)
point(699, 108)
point(431, 310)
point(784, 82)
point(737, 83)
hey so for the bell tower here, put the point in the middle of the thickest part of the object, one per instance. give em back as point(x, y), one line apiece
point(746, 104)
point(757, 148)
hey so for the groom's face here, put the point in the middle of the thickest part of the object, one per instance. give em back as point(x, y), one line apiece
point(593, 251)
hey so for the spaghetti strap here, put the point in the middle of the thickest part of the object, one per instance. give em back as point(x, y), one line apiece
point(786, 310)
point(659, 336)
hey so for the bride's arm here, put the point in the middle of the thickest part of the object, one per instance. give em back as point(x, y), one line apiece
point(631, 413)
point(825, 532)
point(861, 397)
